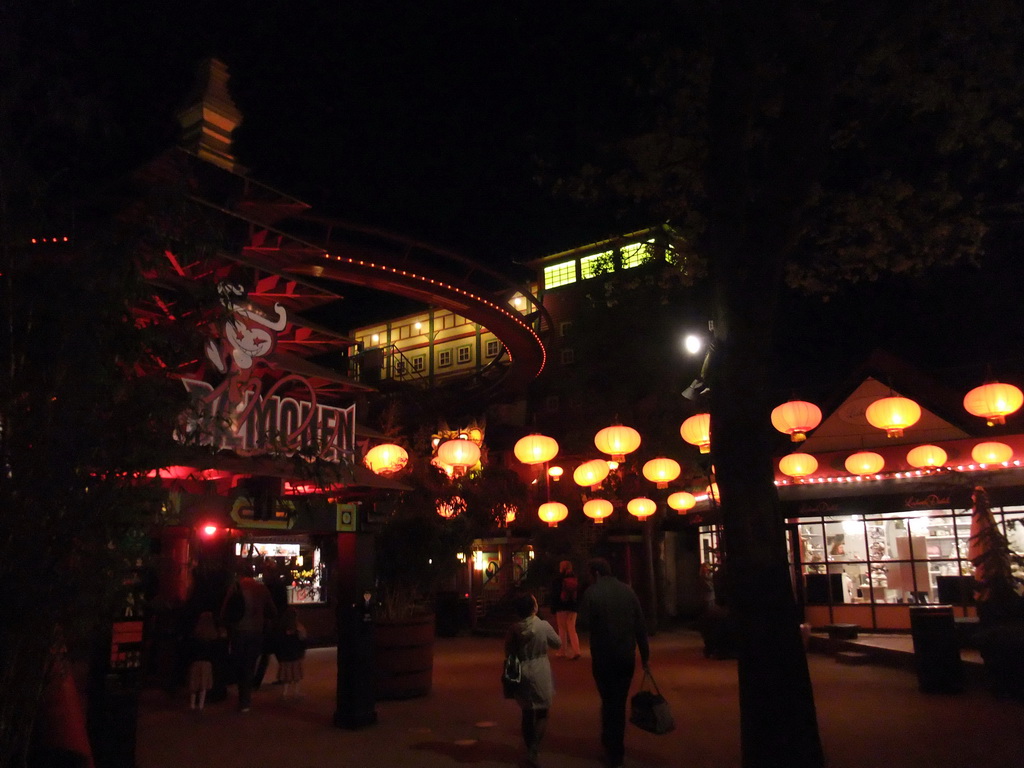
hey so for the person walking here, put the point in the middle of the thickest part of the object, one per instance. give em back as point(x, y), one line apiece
point(611, 611)
point(277, 584)
point(529, 640)
point(564, 601)
point(291, 650)
point(200, 657)
point(246, 628)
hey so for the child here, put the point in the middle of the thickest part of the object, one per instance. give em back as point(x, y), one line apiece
point(200, 655)
point(290, 653)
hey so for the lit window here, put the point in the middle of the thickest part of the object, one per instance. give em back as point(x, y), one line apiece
point(493, 347)
point(598, 264)
point(444, 358)
point(636, 254)
point(560, 274)
point(465, 354)
point(418, 362)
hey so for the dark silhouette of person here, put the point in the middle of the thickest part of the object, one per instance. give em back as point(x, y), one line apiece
point(611, 611)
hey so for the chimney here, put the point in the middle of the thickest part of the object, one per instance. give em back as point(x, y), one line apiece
point(207, 123)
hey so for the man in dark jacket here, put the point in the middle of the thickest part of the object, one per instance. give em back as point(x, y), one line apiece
point(612, 612)
point(246, 634)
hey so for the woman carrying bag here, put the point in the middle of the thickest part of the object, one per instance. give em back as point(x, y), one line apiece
point(528, 640)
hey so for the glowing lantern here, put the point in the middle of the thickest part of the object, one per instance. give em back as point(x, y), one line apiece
point(926, 456)
point(994, 402)
point(449, 508)
point(617, 441)
point(597, 509)
point(460, 454)
point(556, 472)
point(864, 463)
point(696, 430)
point(991, 453)
point(798, 465)
point(641, 508)
point(682, 502)
point(535, 449)
point(712, 492)
point(661, 472)
point(796, 418)
point(386, 458)
point(553, 512)
point(893, 414)
point(590, 473)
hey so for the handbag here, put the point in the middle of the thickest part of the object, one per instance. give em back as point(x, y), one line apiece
point(648, 709)
point(511, 675)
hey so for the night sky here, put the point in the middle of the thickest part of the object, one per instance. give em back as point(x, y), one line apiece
point(445, 121)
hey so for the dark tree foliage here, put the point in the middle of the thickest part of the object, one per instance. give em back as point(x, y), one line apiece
point(803, 146)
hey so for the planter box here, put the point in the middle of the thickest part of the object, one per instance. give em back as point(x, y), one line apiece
point(404, 657)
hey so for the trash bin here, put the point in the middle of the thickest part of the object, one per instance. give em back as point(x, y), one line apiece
point(936, 650)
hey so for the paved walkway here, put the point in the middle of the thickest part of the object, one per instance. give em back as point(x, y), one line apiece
point(868, 716)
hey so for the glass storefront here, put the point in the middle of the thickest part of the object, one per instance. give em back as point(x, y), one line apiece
point(868, 569)
point(300, 563)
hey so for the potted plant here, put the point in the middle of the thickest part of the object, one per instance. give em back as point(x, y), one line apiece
point(416, 554)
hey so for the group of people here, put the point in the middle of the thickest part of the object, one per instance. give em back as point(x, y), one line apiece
point(611, 611)
point(256, 622)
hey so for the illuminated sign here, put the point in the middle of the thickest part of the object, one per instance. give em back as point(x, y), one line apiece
point(237, 415)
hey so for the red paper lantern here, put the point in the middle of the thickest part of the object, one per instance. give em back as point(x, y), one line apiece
point(591, 473)
point(553, 512)
point(661, 472)
point(798, 465)
point(796, 418)
point(864, 463)
point(598, 509)
point(991, 453)
point(641, 508)
point(617, 441)
point(994, 402)
point(696, 430)
point(535, 449)
point(926, 456)
point(682, 501)
point(893, 414)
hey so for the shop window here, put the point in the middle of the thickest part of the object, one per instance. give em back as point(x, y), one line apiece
point(297, 567)
point(465, 354)
point(444, 358)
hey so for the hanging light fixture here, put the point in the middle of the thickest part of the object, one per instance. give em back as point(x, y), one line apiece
point(597, 510)
point(993, 402)
point(926, 456)
point(864, 463)
point(590, 474)
point(641, 507)
point(461, 454)
point(798, 465)
point(991, 453)
point(681, 501)
point(617, 441)
point(535, 449)
point(696, 430)
point(553, 512)
point(661, 472)
point(449, 508)
point(796, 418)
point(893, 414)
point(386, 458)
point(555, 473)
